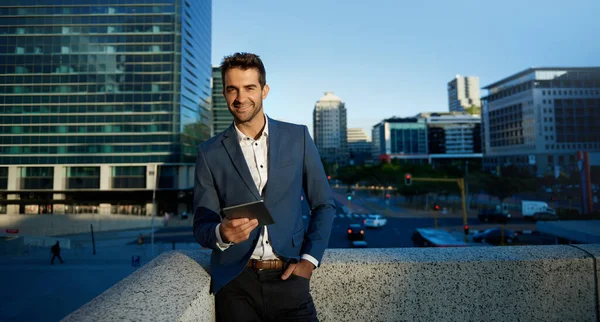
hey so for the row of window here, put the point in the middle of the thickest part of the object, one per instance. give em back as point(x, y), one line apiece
point(124, 88)
point(35, 69)
point(95, 159)
point(88, 109)
point(108, 138)
point(108, 128)
point(139, 21)
point(138, 97)
point(86, 149)
point(588, 83)
point(572, 146)
point(87, 9)
point(571, 92)
point(21, 54)
point(68, 119)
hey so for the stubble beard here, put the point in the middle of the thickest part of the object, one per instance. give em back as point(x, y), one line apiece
point(257, 109)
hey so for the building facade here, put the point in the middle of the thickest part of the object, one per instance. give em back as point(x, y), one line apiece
point(463, 94)
point(102, 102)
point(222, 118)
point(330, 129)
point(359, 146)
point(540, 117)
point(453, 137)
point(400, 138)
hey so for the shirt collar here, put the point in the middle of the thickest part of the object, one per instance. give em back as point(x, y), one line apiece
point(241, 136)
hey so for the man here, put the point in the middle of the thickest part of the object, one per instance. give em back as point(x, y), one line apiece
point(56, 253)
point(260, 273)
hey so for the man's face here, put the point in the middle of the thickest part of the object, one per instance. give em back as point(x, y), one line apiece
point(243, 94)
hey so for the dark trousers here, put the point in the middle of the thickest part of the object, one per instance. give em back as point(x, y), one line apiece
point(59, 258)
point(261, 295)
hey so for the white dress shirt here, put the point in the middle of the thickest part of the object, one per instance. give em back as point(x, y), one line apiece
point(256, 155)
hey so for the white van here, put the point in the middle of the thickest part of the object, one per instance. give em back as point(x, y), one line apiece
point(529, 208)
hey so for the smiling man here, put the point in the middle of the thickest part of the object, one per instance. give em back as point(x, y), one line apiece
point(260, 273)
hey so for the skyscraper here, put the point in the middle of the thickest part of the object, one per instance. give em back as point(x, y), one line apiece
point(329, 129)
point(400, 138)
point(222, 118)
point(463, 95)
point(98, 98)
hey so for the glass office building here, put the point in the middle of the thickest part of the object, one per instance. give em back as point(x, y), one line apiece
point(222, 118)
point(101, 95)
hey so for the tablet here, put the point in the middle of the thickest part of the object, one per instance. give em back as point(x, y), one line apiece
point(251, 210)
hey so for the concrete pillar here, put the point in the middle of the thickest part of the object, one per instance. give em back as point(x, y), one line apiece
point(58, 209)
point(60, 177)
point(14, 183)
point(105, 177)
point(152, 171)
point(182, 177)
point(149, 209)
point(104, 209)
point(12, 209)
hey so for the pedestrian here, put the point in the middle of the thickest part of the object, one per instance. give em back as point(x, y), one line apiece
point(56, 253)
point(260, 273)
point(140, 240)
point(166, 219)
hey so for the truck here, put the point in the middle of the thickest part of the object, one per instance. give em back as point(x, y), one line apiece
point(529, 208)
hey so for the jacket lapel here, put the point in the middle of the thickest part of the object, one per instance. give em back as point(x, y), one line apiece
point(232, 146)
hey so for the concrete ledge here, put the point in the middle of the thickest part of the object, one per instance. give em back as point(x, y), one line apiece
point(526, 283)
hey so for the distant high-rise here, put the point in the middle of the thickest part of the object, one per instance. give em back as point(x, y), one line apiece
point(101, 102)
point(329, 129)
point(359, 146)
point(400, 138)
point(221, 117)
point(463, 95)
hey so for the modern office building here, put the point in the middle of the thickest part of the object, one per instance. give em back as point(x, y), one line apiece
point(463, 94)
point(540, 117)
point(221, 117)
point(359, 146)
point(453, 137)
point(400, 138)
point(330, 129)
point(101, 103)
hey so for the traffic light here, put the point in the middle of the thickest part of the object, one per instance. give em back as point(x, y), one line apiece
point(436, 207)
point(349, 197)
point(407, 179)
point(466, 230)
point(328, 177)
point(387, 196)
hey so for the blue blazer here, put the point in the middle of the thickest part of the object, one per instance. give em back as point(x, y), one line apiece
point(223, 179)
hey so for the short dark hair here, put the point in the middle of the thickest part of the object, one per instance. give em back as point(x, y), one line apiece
point(244, 61)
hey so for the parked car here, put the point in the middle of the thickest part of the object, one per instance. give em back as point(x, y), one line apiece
point(356, 232)
point(494, 236)
point(375, 221)
point(545, 216)
point(491, 215)
point(184, 215)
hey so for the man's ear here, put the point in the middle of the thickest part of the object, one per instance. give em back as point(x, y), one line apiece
point(265, 91)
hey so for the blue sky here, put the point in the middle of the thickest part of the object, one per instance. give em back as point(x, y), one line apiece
point(395, 58)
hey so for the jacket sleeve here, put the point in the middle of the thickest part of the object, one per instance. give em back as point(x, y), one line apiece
point(320, 199)
point(206, 204)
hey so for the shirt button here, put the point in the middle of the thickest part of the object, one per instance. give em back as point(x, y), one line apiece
point(261, 166)
point(255, 143)
point(267, 241)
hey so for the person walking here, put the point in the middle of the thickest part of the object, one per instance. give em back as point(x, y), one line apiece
point(56, 253)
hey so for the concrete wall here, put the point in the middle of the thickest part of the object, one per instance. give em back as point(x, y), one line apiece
point(54, 225)
point(519, 283)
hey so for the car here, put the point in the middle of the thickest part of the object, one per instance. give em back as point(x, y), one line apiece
point(184, 215)
point(545, 216)
point(491, 215)
point(375, 221)
point(356, 232)
point(494, 236)
point(359, 244)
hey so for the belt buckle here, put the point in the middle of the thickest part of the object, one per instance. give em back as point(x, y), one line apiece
point(254, 261)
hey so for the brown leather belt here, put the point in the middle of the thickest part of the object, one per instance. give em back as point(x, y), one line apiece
point(266, 264)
